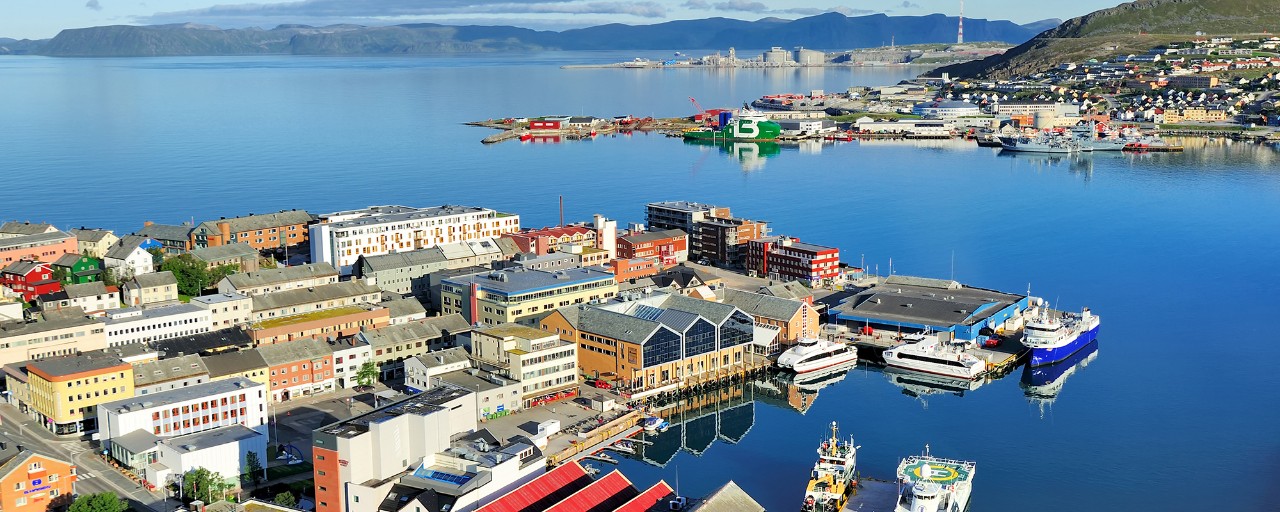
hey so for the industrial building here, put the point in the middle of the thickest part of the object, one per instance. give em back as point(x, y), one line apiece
point(913, 304)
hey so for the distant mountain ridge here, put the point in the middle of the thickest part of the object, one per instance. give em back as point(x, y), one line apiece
point(830, 31)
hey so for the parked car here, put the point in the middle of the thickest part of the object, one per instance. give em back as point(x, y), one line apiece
point(601, 384)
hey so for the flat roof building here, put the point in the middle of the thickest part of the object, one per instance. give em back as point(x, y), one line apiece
point(519, 295)
point(342, 237)
point(915, 303)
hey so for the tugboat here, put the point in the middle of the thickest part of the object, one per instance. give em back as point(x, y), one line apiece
point(832, 480)
point(931, 484)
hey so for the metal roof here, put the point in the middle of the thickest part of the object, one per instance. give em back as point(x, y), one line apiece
point(767, 306)
point(210, 438)
point(225, 252)
point(253, 222)
point(25, 228)
point(607, 493)
point(728, 498)
point(165, 232)
point(542, 492)
point(183, 394)
point(294, 351)
point(324, 292)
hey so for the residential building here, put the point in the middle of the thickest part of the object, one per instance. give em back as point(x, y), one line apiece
point(945, 109)
point(391, 345)
point(548, 262)
point(681, 215)
point(279, 279)
point(13, 229)
point(129, 257)
point(284, 228)
point(94, 242)
point(226, 310)
point(406, 272)
point(789, 290)
point(174, 240)
point(32, 480)
point(1204, 115)
point(66, 391)
point(403, 311)
point(520, 295)
point(349, 354)
point(690, 281)
point(787, 258)
point(161, 375)
point(29, 279)
point(1033, 107)
point(669, 247)
point(589, 256)
point(548, 240)
point(313, 299)
point(241, 255)
point(94, 298)
point(496, 396)
point(342, 237)
point(299, 368)
point(155, 323)
point(38, 247)
point(334, 322)
point(420, 370)
point(545, 365)
point(187, 410)
point(624, 269)
point(77, 268)
point(247, 363)
point(652, 341)
point(151, 289)
point(54, 335)
point(794, 319)
point(723, 241)
point(223, 451)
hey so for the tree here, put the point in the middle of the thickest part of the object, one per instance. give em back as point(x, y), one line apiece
point(202, 484)
point(367, 374)
point(285, 499)
point(191, 274)
point(100, 502)
point(252, 469)
point(220, 272)
point(61, 275)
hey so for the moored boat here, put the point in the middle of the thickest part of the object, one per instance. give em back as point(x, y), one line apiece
point(1053, 335)
point(813, 354)
point(747, 126)
point(932, 356)
point(832, 480)
point(932, 484)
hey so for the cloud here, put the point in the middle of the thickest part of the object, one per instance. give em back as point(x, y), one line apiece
point(696, 4)
point(382, 9)
point(906, 4)
point(93, 4)
point(810, 11)
point(740, 5)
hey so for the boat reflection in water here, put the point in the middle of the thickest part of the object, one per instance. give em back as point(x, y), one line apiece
point(921, 385)
point(1042, 384)
point(750, 155)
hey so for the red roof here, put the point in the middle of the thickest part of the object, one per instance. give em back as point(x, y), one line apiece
point(542, 492)
point(646, 501)
point(602, 495)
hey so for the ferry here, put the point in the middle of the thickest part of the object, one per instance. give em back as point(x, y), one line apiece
point(813, 354)
point(1053, 336)
point(931, 484)
point(747, 126)
point(935, 358)
point(832, 480)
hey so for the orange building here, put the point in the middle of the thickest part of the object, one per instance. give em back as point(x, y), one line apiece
point(336, 322)
point(267, 231)
point(30, 482)
point(670, 247)
point(46, 247)
point(299, 368)
point(624, 270)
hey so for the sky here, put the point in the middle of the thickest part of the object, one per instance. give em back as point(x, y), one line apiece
point(39, 19)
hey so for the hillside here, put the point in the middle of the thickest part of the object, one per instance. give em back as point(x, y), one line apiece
point(831, 31)
point(1133, 27)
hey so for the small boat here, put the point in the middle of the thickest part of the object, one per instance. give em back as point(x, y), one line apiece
point(932, 484)
point(654, 424)
point(525, 137)
point(832, 480)
point(812, 354)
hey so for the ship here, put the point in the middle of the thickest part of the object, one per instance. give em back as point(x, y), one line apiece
point(1055, 335)
point(1043, 143)
point(1087, 136)
point(813, 354)
point(932, 484)
point(832, 480)
point(1042, 384)
point(936, 358)
point(747, 126)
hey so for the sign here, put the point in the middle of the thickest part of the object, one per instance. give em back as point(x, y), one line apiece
point(502, 408)
point(37, 489)
point(342, 462)
point(36, 482)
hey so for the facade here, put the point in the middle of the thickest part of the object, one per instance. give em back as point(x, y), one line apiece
point(723, 241)
point(31, 480)
point(55, 335)
point(66, 391)
point(342, 237)
point(408, 272)
point(549, 261)
point(334, 322)
point(420, 370)
point(94, 298)
point(1192, 81)
point(681, 215)
point(29, 279)
point(522, 296)
point(39, 247)
point(174, 240)
point(247, 363)
point(77, 268)
point(319, 298)
point(279, 279)
point(222, 450)
point(150, 324)
point(403, 311)
point(129, 257)
point(153, 288)
point(545, 365)
point(187, 410)
point(244, 257)
point(284, 228)
point(789, 259)
point(94, 242)
point(156, 376)
point(392, 345)
point(298, 368)
point(548, 240)
point(625, 269)
point(226, 310)
point(349, 354)
point(794, 319)
point(945, 109)
point(669, 247)
point(1031, 108)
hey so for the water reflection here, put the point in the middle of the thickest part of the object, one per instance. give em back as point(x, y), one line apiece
point(921, 385)
point(697, 421)
point(1042, 384)
point(750, 155)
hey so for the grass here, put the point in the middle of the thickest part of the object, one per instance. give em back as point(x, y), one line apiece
point(307, 317)
point(286, 470)
point(184, 298)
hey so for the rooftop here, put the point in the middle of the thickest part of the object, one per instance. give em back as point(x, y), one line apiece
point(154, 279)
point(405, 259)
point(444, 357)
point(374, 215)
point(405, 307)
point(210, 438)
point(757, 304)
point(281, 275)
point(310, 316)
point(90, 235)
point(218, 298)
point(653, 236)
point(164, 370)
point(165, 232)
point(253, 222)
point(512, 330)
point(180, 395)
point(225, 252)
point(204, 342)
point(125, 246)
point(322, 293)
point(686, 206)
point(232, 363)
point(10, 329)
point(518, 280)
point(392, 335)
point(925, 305)
point(137, 314)
point(25, 228)
point(35, 240)
point(294, 351)
point(66, 366)
point(421, 404)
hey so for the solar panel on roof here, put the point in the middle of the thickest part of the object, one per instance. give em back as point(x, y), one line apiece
point(647, 312)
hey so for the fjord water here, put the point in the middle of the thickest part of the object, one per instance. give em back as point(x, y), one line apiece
point(1178, 253)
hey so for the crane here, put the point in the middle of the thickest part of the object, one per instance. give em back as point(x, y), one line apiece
point(701, 112)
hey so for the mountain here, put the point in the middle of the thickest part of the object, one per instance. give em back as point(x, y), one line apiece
point(1042, 25)
point(10, 46)
point(831, 31)
point(1134, 27)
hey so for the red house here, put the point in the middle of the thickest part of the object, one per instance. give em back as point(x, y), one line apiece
point(669, 247)
point(29, 279)
point(544, 124)
point(787, 258)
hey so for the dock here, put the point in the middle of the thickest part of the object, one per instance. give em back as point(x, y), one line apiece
point(591, 443)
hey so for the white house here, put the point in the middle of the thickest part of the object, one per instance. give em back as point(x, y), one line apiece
point(187, 410)
point(129, 257)
point(153, 288)
point(226, 310)
point(93, 297)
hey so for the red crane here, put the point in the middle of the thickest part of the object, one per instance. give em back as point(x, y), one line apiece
point(701, 112)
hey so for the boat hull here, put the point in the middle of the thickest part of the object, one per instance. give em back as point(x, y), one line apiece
point(1047, 356)
point(825, 363)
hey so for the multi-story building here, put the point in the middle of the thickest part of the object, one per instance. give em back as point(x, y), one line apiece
point(267, 231)
point(335, 322)
point(724, 241)
point(61, 334)
point(681, 215)
point(407, 272)
point(1017, 108)
point(206, 343)
point(403, 311)
point(129, 257)
point(33, 481)
point(30, 279)
point(77, 268)
point(65, 391)
point(187, 410)
point(146, 325)
point(795, 319)
point(226, 310)
point(39, 247)
point(174, 240)
point(153, 288)
point(545, 365)
point(1192, 81)
point(496, 396)
point(549, 261)
point(391, 345)
point(318, 298)
point(298, 368)
point(156, 376)
point(349, 354)
point(223, 451)
point(668, 247)
point(548, 240)
point(519, 295)
point(94, 298)
point(94, 242)
point(279, 279)
point(626, 269)
point(788, 259)
point(650, 341)
point(342, 237)
point(241, 255)
point(238, 363)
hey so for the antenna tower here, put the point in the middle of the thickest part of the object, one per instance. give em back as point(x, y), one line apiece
point(960, 32)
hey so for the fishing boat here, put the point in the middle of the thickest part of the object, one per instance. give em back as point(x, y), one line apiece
point(935, 357)
point(932, 484)
point(832, 480)
point(1055, 335)
point(813, 354)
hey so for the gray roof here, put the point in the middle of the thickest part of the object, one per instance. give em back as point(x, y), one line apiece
point(520, 280)
point(218, 298)
point(125, 246)
point(281, 275)
point(610, 324)
point(767, 306)
point(507, 245)
point(78, 291)
point(405, 307)
point(650, 236)
point(90, 235)
point(293, 351)
point(253, 222)
point(716, 312)
point(68, 259)
point(213, 341)
point(67, 365)
point(463, 379)
point(401, 333)
point(118, 316)
point(165, 370)
point(684, 277)
point(931, 306)
point(685, 206)
point(25, 228)
point(232, 363)
point(794, 244)
point(728, 498)
point(422, 404)
point(33, 240)
point(445, 357)
point(324, 292)
point(8, 329)
point(923, 282)
point(183, 394)
point(397, 260)
point(136, 442)
point(453, 323)
point(23, 267)
point(787, 290)
point(225, 252)
point(210, 438)
point(165, 232)
point(152, 280)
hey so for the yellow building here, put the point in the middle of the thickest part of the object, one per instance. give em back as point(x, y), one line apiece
point(1201, 114)
point(524, 296)
point(64, 392)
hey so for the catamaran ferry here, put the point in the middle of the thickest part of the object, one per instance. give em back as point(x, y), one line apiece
point(933, 357)
point(832, 480)
point(813, 354)
point(931, 484)
point(1053, 336)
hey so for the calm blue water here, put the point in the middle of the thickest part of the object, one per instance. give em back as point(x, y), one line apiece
point(1177, 252)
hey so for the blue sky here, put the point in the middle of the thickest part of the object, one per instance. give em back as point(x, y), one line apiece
point(44, 18)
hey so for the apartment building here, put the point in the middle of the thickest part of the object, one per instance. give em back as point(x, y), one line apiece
point(33, 481)
point(284, 228)
point(65, 391)
point(279, 279)
point(45, 246)
point(51, 335)
point(317, 298)
point(150, 324)
point(788, 259)
point(226, 310)
point(518, 295)
point(545, 365)
point(668, 247)
point(342, 237)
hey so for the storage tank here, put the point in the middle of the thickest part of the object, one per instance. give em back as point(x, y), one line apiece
point(806, 57)
point(777, 55)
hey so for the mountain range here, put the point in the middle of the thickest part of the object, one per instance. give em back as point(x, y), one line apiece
point(830, 31)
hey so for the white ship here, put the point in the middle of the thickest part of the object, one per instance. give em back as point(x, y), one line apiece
point(813, 354)
point(931, 484)
point(934, 357)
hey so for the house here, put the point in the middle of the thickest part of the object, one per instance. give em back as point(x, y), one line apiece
point(29, 279)
point(405, 310)
point(94, 242)
point(794, 319)
point(130, 257)
point(152, 288)
point(174, 240)
point(583, 122)
point(244, 257)
point(94, 298)
point(789, 290)
point(688, 281)
point(246, 363)
point(285, 228)
point(77, 268)
point(279, 279)
point(40, 247)
point(33, 480)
